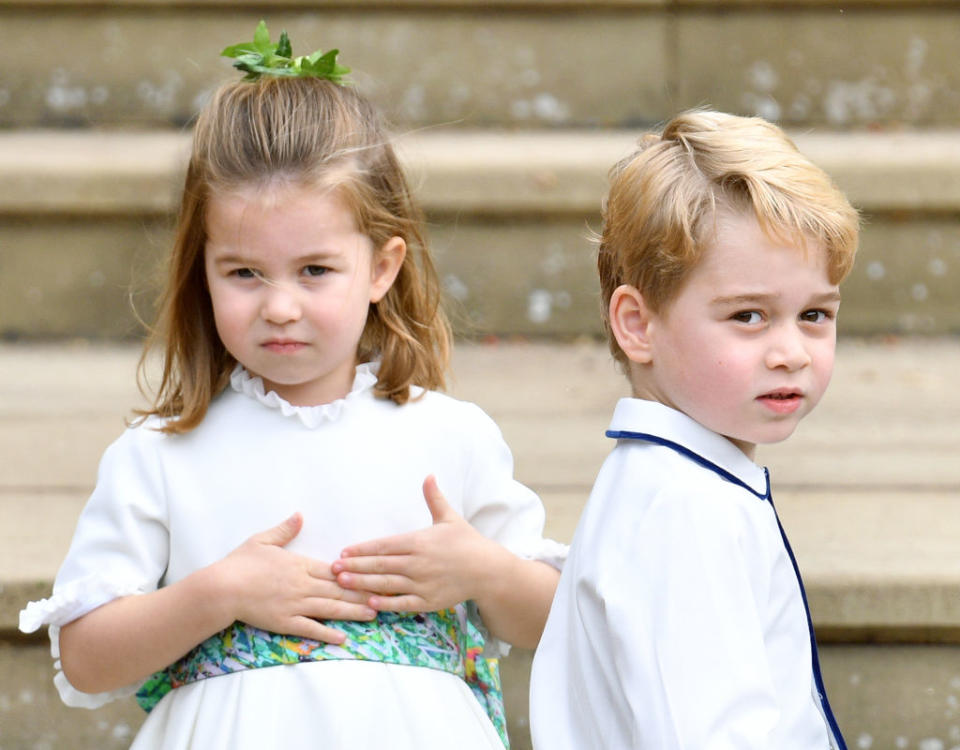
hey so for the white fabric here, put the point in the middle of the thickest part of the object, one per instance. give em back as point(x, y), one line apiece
point(165, 506)
point(678, 621)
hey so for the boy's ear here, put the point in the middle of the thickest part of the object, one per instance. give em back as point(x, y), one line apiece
point(630, 321)
point(386, 265)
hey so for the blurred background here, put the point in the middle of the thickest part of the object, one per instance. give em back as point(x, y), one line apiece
point(508, 115)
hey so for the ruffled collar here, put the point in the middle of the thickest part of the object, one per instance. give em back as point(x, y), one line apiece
point(312, 416)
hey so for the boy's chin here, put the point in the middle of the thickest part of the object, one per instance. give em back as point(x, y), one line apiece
point(749, 442)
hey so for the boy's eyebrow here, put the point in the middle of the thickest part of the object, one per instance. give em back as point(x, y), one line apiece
point(747, 299)
point(826, 297)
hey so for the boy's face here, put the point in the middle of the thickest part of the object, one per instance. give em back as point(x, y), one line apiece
point(746, 348)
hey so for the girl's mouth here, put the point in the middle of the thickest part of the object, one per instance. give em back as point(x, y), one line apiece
point(283, 346)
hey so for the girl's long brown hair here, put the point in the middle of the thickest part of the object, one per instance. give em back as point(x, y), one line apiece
point(314, 133)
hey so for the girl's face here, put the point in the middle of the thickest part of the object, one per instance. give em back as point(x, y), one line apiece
point(291, 280)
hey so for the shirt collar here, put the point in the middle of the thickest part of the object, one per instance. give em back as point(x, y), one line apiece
point(638, 419)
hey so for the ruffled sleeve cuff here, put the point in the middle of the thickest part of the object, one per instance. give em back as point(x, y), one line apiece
point(546, 551)
point(68, 603)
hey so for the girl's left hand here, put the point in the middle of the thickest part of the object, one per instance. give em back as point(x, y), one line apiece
point(422, 571)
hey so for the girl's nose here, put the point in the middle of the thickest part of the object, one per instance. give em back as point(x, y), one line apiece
point(788, 350)
point(281, 304)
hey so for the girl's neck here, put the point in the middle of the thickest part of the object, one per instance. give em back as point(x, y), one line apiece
point(312, 393)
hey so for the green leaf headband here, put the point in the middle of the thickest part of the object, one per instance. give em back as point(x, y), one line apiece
point(262, 57)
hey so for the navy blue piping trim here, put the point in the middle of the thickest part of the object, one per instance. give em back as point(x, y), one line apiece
point(814, 654)
point(624, 435)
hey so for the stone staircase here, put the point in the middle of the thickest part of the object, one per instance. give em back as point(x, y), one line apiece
point(509, 113)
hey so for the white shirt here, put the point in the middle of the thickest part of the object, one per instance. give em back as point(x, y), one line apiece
point(167, 505)
point(679, 620)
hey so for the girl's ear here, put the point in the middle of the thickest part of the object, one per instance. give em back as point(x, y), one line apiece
point(631, 323)
point(386, 265)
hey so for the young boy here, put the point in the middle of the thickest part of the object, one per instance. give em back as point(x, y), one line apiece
point(680, 619)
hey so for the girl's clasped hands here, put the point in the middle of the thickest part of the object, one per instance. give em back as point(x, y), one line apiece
point(426, 570)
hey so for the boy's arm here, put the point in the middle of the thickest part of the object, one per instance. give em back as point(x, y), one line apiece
point(696, 574)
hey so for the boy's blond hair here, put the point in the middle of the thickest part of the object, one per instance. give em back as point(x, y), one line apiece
point(664, 198)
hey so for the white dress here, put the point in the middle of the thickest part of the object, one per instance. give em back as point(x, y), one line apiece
point(679, 621)
point(165, 506)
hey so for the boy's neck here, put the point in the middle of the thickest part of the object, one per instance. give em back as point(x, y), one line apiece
point(641, 388)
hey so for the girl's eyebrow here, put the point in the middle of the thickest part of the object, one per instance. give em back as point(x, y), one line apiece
point(310, 258)
point(230, 258)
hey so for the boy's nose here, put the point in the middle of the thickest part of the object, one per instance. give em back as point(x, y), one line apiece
point(788, 350)
point(281, 304)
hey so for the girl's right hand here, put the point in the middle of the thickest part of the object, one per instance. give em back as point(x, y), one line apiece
point(274, 589)
point(259, 583)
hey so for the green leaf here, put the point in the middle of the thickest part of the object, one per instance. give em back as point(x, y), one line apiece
point(261, 57)
point(324, 65)
point(235, 50)
point(261, 39)
point(283, 46)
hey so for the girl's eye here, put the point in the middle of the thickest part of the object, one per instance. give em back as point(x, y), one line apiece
point(315, 270)
point(751, 317)
point(245, 273)
point(815, 316)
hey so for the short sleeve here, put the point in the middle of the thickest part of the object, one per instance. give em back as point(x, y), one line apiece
point(120, 547)
point(499, 506)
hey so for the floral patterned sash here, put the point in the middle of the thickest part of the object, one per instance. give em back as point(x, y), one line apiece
point(444, 640)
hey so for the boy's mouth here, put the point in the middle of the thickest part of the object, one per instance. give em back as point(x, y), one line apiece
point(782, 401)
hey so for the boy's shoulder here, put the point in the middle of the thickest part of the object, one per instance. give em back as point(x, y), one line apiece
point(666, 467)
point(649, 488)
point(677, 451)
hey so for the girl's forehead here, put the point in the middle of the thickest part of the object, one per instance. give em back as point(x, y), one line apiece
point(273, 192)
point(294, 203)
point(280, 221)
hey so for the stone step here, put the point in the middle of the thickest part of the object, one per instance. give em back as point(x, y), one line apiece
point(891, 697)
point(872, 469)
point(519, 63)
point(868, 490)
point(85, 222)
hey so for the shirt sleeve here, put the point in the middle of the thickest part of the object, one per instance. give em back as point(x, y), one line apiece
point(499, 506)
point(503, 509)
point(120, 547)
point(684, 618)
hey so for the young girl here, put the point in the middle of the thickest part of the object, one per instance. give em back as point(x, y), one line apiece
point(301, 342)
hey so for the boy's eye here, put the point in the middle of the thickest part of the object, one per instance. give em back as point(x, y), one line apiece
point(315, 270)
point(752, 317)
point(815, 316)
